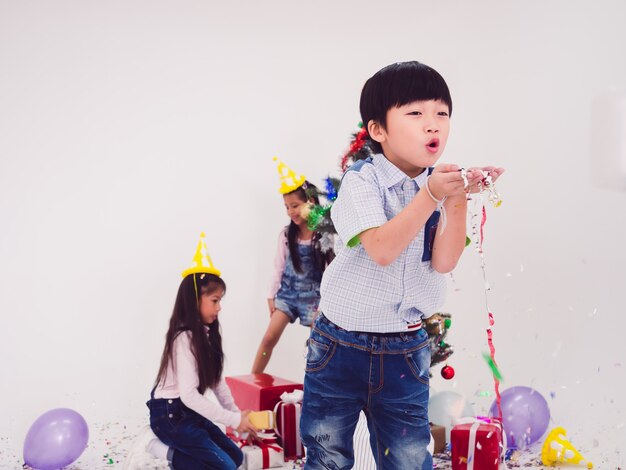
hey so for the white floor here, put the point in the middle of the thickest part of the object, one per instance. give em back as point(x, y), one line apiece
point(108, 446)
point(109, 443)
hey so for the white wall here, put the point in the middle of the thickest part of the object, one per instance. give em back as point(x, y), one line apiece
point(126, 128)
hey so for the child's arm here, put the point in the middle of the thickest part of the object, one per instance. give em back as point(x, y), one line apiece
point(279, 267)
point(186, 371)
point(385, 243)
point(447, 247)
point(225, 396)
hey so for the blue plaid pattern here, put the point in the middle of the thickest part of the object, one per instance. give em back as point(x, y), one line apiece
point(356, 293)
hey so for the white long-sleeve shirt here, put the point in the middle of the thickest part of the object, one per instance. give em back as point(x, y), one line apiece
point(182, 382)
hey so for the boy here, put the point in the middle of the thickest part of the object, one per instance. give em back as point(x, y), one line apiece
point(367, 349)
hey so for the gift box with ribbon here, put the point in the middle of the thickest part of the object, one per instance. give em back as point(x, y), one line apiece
point(259, 392)
point(262, 419)
point(478, 444)
point(287, 412)
point(439, 437)
point(261, 452)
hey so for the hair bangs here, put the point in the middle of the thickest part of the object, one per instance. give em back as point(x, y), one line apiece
point(411, 84)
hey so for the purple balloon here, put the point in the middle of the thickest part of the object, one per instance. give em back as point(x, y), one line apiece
point(55, 439)
point(525, 416)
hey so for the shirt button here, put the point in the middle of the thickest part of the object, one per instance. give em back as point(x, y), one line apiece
point(171, 415)
point(169, 401)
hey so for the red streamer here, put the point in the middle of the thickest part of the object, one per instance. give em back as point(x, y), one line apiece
point(482, 224)
point(492, 348)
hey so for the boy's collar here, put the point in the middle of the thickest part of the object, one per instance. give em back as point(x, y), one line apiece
point(392, 175)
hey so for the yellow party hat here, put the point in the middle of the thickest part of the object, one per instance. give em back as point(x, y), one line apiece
point(201, 261)
point(289, 181)
point(557, 449)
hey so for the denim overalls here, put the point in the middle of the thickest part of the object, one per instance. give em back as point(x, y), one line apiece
point(194, 441)
point(299, 293)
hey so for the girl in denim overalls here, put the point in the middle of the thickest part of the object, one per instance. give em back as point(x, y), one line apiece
point(301, 258)
point(192, 362)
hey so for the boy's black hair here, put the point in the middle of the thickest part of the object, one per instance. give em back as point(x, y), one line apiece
point(399, 84)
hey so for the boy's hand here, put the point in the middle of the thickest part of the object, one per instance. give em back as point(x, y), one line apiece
point(446, 180)
point(494, 172)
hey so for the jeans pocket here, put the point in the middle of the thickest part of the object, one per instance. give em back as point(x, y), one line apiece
point(321, 349)
point(419, 362)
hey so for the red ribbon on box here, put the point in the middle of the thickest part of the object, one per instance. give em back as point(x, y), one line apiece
point(288, 412)
point(265, 445)
point(267, 442)
point(265, 452)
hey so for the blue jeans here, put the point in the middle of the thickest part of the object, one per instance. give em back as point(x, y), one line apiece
point(197, 442)
point(386, 376)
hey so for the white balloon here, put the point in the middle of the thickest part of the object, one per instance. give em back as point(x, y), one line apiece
point(444, 408)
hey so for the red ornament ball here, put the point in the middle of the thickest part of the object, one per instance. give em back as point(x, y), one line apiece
point(447, 372)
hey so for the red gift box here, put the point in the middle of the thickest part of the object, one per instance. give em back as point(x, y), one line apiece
point(258, 392)
point(288, 424)
point(477, 445)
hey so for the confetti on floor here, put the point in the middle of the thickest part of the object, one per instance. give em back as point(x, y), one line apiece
point(108, 446)
point(110, 442)
point(518, 459)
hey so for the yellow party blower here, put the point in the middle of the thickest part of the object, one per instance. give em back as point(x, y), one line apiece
point(557, 449)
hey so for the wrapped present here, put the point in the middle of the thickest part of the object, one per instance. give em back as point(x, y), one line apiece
point(262, 452)
point(262, 419)
point(287, 412)
point(439, 437)
point(259, 392)
point(478, 444)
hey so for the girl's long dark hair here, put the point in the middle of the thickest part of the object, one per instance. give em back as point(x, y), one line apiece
point(320, 259)
point(206, 347)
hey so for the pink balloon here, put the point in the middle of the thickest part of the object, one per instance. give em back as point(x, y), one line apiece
point(56, 439)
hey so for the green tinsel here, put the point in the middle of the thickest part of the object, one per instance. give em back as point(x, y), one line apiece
point(316, 216)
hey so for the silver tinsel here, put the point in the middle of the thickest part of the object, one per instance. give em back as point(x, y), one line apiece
point(327, 242)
